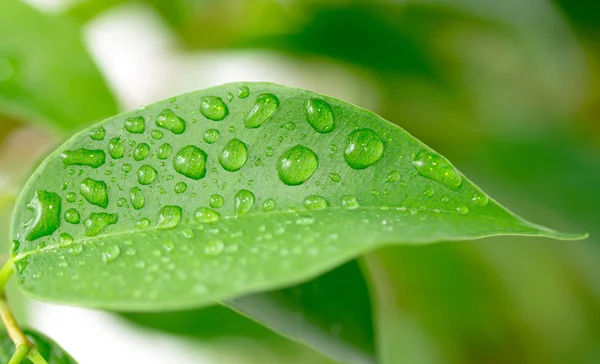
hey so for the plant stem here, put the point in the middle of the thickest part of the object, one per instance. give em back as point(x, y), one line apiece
point(36, 357)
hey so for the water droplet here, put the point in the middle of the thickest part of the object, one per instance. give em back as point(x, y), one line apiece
point(142, 223)
point(213, 108)
point(429, 192)
point(433, 166)
point(243, 92)
point(111, 254)
point(349, 202)
point(296, 165)
point(137, 198)
point(244, 201)
point(315, 202)
point(264, 108)
point(335, 177)
point(216, 201)
point(214, 247)
point(141, 151)
point(363, 149)
point(75, 249)
point(211, 135)
point(83, 157)
point(71, 197)
point(190, 161)
point(269, 152)
point(320, 116)
point(180, 187)
point(480, 199)
point(269, 205)
point(230, 97)
point(394, 176)
point(169, 217)
point(98, 221)
point(146, 175)
point(121, 202)
point(126, 168)
point(164, 151)
point(206, 215)
point(98, 133)
point(234, 155)
point(290, 125)
point(72, 216)
point(157, 134)
point(95, 192)
point(65, 239)
point(463, 210)
point(135, 125)
point(167, 119)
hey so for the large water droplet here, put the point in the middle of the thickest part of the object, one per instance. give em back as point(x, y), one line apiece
point(98, 221)
point(243, 202)
point(83, 157)
point(205, 215)
point(265, 107)
point(95, 192)
point(141, 151)
point(211, 136)
point(72, 216)
point(296, 165)
point(434, 166)
point(137, 198)
point(349, 202)
point(363, 148)
point(320, 116)
point(146, 175)
point(169, 217)
point(190, 161)
point(98, 133)
point(135, 125)
point(315, 202)
point(234, 155)
point(216, 201)
point(213, 108)
point(111, 254)
point(164, 151)
point(115, 148)
point(46, 207)
point(167, 119)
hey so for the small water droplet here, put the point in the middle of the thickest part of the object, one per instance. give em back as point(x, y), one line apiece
point(234, 155)
point(141, 151)
point(315, 202)
point(269, 152)
point(214, 247)
point(167, 119)
point(98, 221)
point(137, 198)
point(126, 168)
point(213, 108)
point(169, 217)
point(480, 199)
point(211, 136)
point(264, 108)
point(180, 187)
point(206, 215)
point(269, 205)
point(65, 239)
point(320, 116)
point(95, 192)
point(296, 165)
point(164, 151)
point(230, 97)
point(142, 223)
point(243, 202)
point(83, 157)
point(75, 249)
point(157, 134)
point(363, 149)
point(433, 166)
point(290, 125)
point(116, 148)
point(349, 202)
point(394, 176)
point(335, 177)
point(121, 202)
point(243, 92)
point(463, 210)
point(429, 191)
point(216, 201)
point(135, 125)
point(98, 133)
point(111, 254)
point(190, 161)
point(71, 197)
point(146, 175)
point(72, 216)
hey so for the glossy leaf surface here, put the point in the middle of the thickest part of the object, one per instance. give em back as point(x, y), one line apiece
point(141, 213)
point(48, 349)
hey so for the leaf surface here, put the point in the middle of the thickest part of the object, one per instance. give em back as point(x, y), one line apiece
point(231, 190)
point(48, 349)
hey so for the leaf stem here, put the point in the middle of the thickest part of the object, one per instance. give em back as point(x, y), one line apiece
point(36, 357)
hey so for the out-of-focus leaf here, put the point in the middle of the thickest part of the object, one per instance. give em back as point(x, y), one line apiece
point(49, 349)
point(46, 74)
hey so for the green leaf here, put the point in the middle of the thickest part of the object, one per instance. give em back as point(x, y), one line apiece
point(49, 350)
point(46, 74)
point(180, 231)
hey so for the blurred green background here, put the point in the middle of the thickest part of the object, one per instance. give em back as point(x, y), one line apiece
point(509, 91)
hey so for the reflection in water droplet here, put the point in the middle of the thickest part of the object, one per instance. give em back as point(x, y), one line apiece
point(213, 108)
point(111, 254)
point(169, 217)
point(98, 133)
point(95, 192)
point(98, 221)
point(349, 202)
point(320, 116)
point(190, 161)
point(264, 108)
point(315, 202)
point(83, 157)
point(180, 187)
point(296, 165)
point(116, 148)
point(164, 151)
point(135, 125)
point(243, 92)
point(206, 215)
point(137, 198)
point(433, 166)
point(72, 216)
point(480, 199)
point(234, 155)
point(146, 175)
point(363, 149)
point(211, 136)
point(269, 205)
point(243, 202)
point(141, 151)
point(167, 119)
point(394, 176)
point(335, 177)
point(216, 201)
